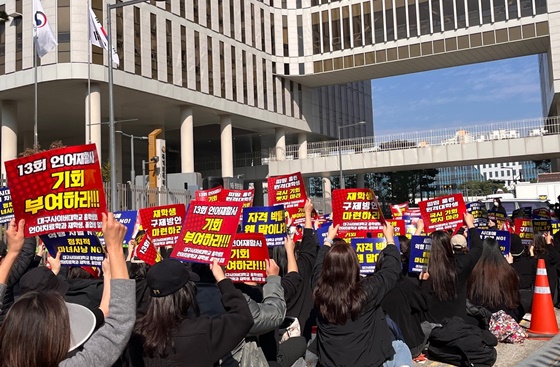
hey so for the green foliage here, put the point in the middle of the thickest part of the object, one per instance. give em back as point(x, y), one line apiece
point(106, 171)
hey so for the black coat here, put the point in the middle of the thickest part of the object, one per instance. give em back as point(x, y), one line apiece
point(367, 340)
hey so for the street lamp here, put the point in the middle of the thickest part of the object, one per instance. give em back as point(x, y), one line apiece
point(112, 146)
point(340, 127)
point(132, 137)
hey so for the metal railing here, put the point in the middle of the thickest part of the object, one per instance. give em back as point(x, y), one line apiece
point(427, 138)
point(132, 197)
point(240, 160)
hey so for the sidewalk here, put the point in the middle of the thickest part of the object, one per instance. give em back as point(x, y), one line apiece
point(537, 353)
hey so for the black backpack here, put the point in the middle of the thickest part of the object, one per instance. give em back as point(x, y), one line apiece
point(462, 344)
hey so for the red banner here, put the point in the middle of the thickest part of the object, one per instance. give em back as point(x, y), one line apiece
point(247, 261)
point(287, 190)
point(163, 223)
point(208, 195)
point(444, 212)
point(242, 196)
point(146, 250)
point(356, 211)
point(60, 190)
point(397, 210)
point(208, 232)
point(524, 228)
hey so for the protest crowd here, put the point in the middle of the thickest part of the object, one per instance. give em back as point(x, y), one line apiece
point(223, 283)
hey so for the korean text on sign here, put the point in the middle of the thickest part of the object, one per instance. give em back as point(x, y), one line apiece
point(356, 211)
point(208, 232)
point(267, 220)
point(420, 247)
point(288, 190)
point(163, 223)
point(6, 207)
point(247, 261)
point(59, 190)
point(76, 248)
point(243, 196)
point(503, 238)
point(524, 228)
point(368, 250)
point(445, 212)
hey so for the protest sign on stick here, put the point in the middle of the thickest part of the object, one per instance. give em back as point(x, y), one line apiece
point(503, 238)
point(129, 219)
point(208, 232)
point(267, 220)
point(59, 190)
point(444, 212)
point(243, 196)
point(357, 212)
point(76, 248)
point(288, 190)
point(479, 213)
point(524, 228)
point(420, 247)
point(247, 261)
point(368, 250)
point(163, 223)
point(211, 195)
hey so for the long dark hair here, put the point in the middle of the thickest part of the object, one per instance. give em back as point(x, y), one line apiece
point(493, 281)
point(164, 315)
point(441, 267)
point(339, 294)
point(541, 247)
point(36, 331)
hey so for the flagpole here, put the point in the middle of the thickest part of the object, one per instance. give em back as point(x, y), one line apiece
point(35, 129)
point(89, 70)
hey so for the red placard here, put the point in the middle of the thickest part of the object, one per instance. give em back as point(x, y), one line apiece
point(356, 211)
point(163, 223)
point(212, 194)
point(146, 250)
point(247, 261)
point(208, 232)
point(397, 210)
point(444, 212)
point(59, 190)
point(287, 190)
point(242, 196)
point(524, 228)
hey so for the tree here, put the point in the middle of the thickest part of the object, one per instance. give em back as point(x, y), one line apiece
point(543, 165)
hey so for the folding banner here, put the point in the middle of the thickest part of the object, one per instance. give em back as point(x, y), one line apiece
point(480, 214)
point(208, 232)
point(267, 220)
point(288, 190)
point(76, 248)
point(243, 196)
point(503, 238)
point(247, 261)
point(356, 211)
point(444, 212)
point(6, 207)
point(368, 250)
point(59, 190)
point(420, 247)
point(163, 223)
point(129, 219)
point(208, 195)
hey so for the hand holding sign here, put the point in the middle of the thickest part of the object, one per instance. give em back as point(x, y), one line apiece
point(469, 220)
point(15, 235)
point(389, 233)
point(54, 262)
point(271, 267)
point(217, 271)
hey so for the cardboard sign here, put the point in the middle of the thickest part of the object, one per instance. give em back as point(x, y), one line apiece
point(368, 250)
point(129, 219)
point(6, 207)
point(208, 232)
point(288, 190)
point(59, 190)
point(267, 220)
point(444, 212)
point(247, 261)
point(356, 211)
point(163, 223)
point(76, 248)
point(479, 213)
point(524, 228)
point(524, 212)
point(420, 247)
point(243, 196)
point(398, 210)
point(146, 251)
point(503, 238)
point(211, 195)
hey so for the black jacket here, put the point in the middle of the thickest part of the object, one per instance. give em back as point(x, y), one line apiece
point(202, 341)
point(464, 264)
point(20, 267)
point(297, 286)
point(367, 340)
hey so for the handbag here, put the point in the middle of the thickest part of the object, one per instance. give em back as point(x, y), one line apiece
point(289, 328)
point(252, 355)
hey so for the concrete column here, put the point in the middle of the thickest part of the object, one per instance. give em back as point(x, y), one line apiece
point(118, 153)
point(302, 141)
point(360, 180)
point(327, 195)
point(226, 139)
point(187, 140)
point(280, 144)
point(93, 131)
point(8, 147)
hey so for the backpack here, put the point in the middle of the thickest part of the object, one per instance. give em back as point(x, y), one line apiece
point(462, 344)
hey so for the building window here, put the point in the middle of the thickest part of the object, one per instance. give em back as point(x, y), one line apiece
point(378, 22)
point(2, 43)
point(499, 10)
point(244, 63)
point(526, 8)
point(368, 31)
point(346, 26)
point(285, 35)
point(461, 22)
point(182, 8)
point(449, 14)
point(120, 34)
point(210, 66)
point(222, 71)
point(486, 12)
point(137, 43)
point(19, 37)
point(197, 59)
point(233, 74)
point(153, 30)
point(232, 19)
point(389, 26)
point(474, 17)
point(265, 84)
point(169, 35)
point(326, 34)
point(195, 10)
point(63, 23)
point(221, 16)
point(316, 33)
point(263, 42)
point(184, 75)
point(255, 85)
point(436, 16)
point(300, 35)
point(243, 30)
point(336, 36)
point(209, 14)
point(253, 25)
point(401, 22)
point(272, 35)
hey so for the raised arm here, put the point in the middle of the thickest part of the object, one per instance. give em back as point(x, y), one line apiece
point(15, 238)
point(331, 235)
point(475, 250)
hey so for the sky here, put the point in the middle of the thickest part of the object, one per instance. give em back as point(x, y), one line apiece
point(502, 90)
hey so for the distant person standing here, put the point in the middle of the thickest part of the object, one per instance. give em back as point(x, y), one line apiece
point(498, 208)
point(556, 207)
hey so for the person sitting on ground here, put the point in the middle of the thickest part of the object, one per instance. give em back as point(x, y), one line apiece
point(352, 330)
point(172, 331)
point(447, 276)
point(494, 284)
point(40, 328)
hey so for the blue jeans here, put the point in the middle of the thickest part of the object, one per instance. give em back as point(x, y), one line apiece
point(402, 355)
